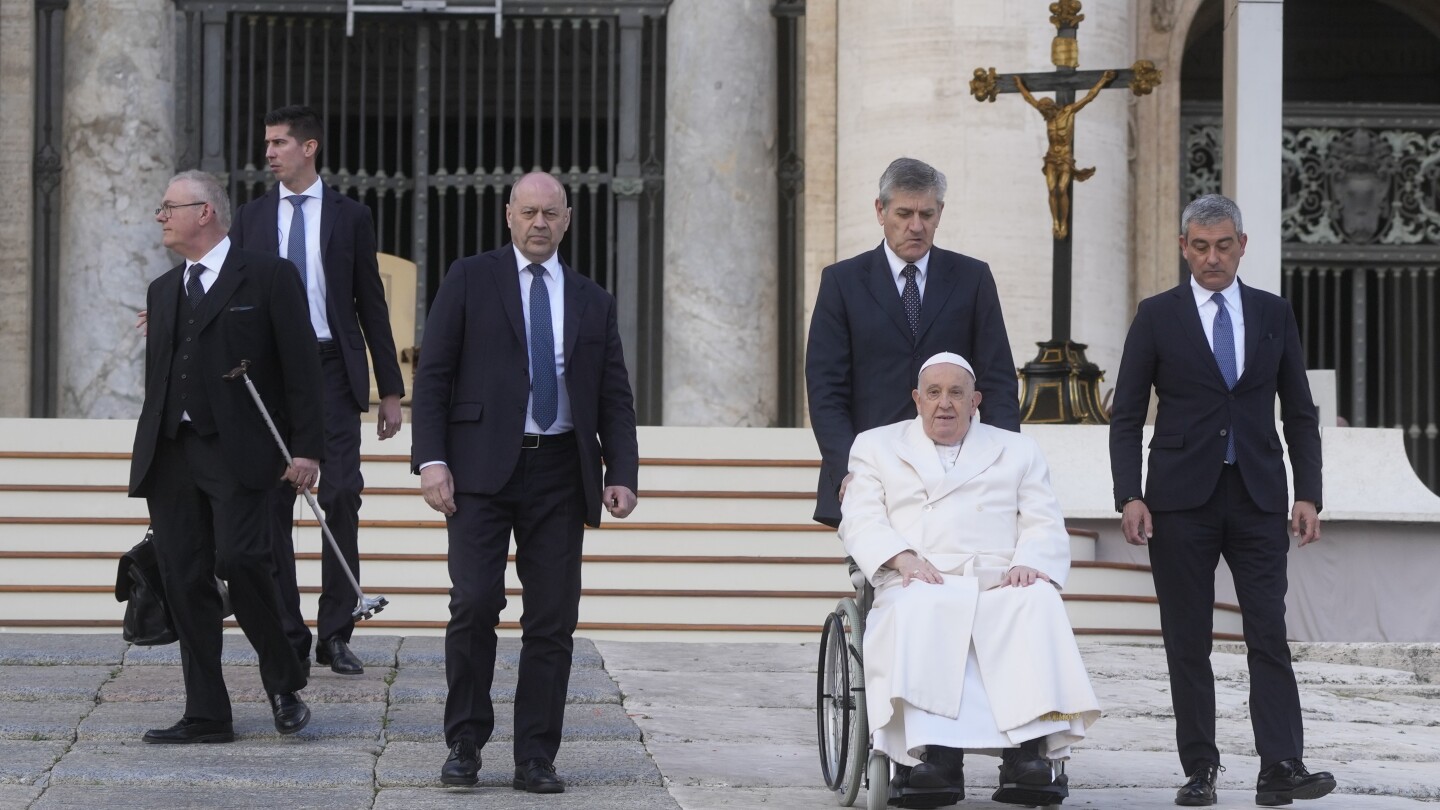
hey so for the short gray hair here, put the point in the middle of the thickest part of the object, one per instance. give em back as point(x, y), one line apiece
point(211, 192)
point(909, 174)
point(1210, 209)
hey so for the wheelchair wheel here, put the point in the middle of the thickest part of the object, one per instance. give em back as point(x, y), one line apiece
point(840, 717)
point(877, 786)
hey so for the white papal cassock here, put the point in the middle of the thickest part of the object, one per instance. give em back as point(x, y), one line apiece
point(967, 664)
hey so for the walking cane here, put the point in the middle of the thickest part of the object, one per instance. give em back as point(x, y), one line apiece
point(367, 606)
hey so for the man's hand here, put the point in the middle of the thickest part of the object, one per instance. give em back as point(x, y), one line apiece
point(912, 568)
point(142, 323)
point(1305, 522)
point(302, 473)
point(1135, 523)
point(390, 417)
point(620, 501)
point(844, 484)
point(1022, 576)
point(438, 488)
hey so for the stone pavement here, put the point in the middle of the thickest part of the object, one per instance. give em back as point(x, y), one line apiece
point(650, 725)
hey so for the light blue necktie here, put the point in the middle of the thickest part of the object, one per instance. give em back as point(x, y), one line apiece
point(1225, 358)
point(295, 247)
point(544, 389)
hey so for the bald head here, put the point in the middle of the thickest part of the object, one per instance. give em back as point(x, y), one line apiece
point(538, 216)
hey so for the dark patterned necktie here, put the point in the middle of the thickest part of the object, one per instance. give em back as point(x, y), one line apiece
point(1225, 358)
point(544, 389)
point(194, 290)
point(910, 298)
point(295, 246)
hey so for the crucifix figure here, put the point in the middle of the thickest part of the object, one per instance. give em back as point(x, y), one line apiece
point(1060, 157)
point(1060, 386)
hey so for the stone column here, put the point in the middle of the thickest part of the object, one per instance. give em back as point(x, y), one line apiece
point(1254, 101)
point(720, 366)
point(17, 151)
point(119, 153)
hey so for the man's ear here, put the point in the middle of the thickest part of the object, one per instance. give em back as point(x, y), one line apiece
point(915, 395)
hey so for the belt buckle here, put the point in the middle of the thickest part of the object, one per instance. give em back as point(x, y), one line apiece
point(530, 441)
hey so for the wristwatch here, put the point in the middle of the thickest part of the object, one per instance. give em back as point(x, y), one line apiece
point(1120, 506)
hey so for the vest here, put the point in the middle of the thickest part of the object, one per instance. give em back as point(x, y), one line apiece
point(185, 390)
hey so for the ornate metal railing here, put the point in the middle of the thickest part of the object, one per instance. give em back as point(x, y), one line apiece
point(430, 118)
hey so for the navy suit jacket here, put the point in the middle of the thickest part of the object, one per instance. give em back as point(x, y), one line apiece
point(473, 382)
point(254, 311)
point(1166, 348)
point(354, 294)
point(861, 362)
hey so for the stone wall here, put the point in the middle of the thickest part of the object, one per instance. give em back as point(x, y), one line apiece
point(17, 107)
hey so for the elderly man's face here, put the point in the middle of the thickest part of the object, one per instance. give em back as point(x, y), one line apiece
point(945, 400)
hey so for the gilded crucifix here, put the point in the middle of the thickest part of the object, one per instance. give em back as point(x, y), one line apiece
point(1060, 385)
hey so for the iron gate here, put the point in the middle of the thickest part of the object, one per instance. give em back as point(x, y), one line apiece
point(1361, 229)
point(430, 118)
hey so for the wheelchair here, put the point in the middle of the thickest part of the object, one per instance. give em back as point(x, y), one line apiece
point(842, 724)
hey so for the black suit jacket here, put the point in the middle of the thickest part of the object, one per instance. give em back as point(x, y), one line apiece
point(1166, 349)
point(473, 383)
point(254, 311)
point(354, 294)
point(861, 362)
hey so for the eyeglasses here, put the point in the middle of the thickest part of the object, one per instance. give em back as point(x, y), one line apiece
point(169, 208)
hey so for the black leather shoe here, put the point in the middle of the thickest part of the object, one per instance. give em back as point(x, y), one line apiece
point(462, 767)
point(192, 731)
point(1199, 789)
point(291, 713)
point(336, 653)
point(1024, 766)
point(941, 768)
point(537, 776)
point(1288, 780)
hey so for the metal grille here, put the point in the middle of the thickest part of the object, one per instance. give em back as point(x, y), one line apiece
point(430, 119)
point(1362, 244)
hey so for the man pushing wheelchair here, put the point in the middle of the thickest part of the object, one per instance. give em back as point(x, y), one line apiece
point(967, 645)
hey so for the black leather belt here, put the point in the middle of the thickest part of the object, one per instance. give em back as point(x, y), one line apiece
point(329, 347)
point(532, 441)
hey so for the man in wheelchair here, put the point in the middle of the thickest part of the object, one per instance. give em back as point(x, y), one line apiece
point(967, 645)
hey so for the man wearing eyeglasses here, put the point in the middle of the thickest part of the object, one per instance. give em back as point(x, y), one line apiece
point(204, 460)
point(331, 239)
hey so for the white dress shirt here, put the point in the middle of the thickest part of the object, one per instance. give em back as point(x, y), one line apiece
point(897, 264)
point(213, 261)
point(1237, 318)
point(555, 284)
point(314, 265)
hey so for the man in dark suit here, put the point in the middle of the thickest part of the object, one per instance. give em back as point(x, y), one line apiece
point(1217, 353)
point(331, 238)
point(205, 461)
point(879, 315)
point(521, 390)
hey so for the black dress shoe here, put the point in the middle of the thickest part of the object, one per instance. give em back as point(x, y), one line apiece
point(336, 653)
point(1024, 766)
point(1288, 780)
point(537, 776)
point(1199, 789)
point(291, 713)
point(462, 767)
point(941, 768)
point(192, 731)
